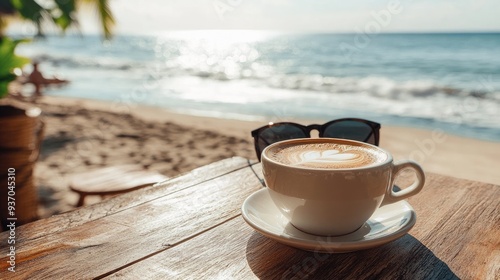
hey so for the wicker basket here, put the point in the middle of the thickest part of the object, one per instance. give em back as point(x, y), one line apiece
point(19, 127)
point(21, 133)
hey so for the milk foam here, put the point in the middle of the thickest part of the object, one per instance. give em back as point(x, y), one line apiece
point(327, 155)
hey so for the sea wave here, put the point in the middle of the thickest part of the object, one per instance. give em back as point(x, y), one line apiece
point(272, 76)
point(376, 86)
point(106, 63)
point(382, 87)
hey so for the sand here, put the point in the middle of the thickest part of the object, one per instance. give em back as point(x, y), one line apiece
point(84, 135)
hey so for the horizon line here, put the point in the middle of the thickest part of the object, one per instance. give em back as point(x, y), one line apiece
point(304, 32)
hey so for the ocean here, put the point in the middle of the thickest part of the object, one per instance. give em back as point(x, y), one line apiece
point(444, 81)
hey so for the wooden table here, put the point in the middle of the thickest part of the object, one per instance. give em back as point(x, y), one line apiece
point(190, 227)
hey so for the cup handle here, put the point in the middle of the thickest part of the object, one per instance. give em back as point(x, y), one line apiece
point(391, 196)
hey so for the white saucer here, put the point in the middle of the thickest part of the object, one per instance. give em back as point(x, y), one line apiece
point(388, 223)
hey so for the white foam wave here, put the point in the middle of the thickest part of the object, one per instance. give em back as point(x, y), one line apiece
point(89, 62)
point(375, 86)
point(243, 65)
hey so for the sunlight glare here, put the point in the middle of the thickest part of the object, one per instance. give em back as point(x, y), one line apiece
point(221, 37)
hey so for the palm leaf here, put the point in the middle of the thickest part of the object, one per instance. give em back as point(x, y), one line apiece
point(8, 62)
point(105, 15)
point(64, 15)
point(61, 12)
point(31, 10)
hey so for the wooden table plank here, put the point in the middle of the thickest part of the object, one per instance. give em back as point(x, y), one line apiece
point(196, 259)
point(89, 213)
point(241, 253)
point(190, 227)
point(460, 221)
point(156, 222)
point(437, 247)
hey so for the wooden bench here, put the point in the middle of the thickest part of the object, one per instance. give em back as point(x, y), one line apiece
point(113, 180)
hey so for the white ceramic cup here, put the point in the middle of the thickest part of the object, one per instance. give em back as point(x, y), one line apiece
point(333, 202)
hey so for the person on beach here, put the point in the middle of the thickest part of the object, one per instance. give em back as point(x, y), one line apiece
point(38, 80)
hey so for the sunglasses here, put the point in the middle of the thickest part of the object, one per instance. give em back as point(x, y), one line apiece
point(348, 128)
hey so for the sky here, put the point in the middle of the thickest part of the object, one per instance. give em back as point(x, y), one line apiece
point(302, 15)
point(156, 16)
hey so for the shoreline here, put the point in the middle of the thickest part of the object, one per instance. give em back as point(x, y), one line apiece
point(436, 150)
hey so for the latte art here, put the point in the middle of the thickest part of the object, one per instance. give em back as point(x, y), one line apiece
point(327, 155)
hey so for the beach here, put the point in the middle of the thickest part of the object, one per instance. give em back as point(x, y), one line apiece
point(261, 76)
point(83, 135)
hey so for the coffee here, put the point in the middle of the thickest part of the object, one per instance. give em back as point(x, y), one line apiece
point(326, 155)
point(329, 186)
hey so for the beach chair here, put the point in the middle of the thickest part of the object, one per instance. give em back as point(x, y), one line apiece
point(110, 181)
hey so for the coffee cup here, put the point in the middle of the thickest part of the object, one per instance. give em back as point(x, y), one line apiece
point(331, 187)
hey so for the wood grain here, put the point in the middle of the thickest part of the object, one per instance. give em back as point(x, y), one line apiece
point(457, 238)
point(136, 228)
point(242, 253)
point(460, 221)
point(190, 227)
point(79, 216)
point(115, 180)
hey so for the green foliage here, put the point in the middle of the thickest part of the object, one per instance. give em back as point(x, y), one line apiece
point(29, 9)
point(59, 12)
point(62, 13)
point(107, 20)
point(104, 13)
point(8, 62)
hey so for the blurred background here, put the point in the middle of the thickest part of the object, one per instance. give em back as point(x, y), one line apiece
point(410, 63)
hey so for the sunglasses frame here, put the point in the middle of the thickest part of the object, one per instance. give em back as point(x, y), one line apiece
point(319, 127)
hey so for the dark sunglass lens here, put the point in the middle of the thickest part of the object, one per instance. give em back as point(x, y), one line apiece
point(352, 130)
point(279, 133)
